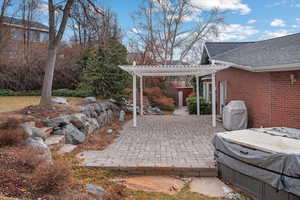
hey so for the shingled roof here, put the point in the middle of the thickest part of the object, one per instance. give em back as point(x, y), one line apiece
point(19, 22)
point(279, 51)
point(215, 48)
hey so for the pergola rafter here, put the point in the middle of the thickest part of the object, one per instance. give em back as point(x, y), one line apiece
point(173, 70)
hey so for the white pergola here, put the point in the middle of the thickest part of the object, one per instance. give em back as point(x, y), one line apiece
point(173, 70)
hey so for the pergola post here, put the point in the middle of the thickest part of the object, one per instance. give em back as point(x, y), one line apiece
point(198, 96)
point(141, 96)
point(214, 118)
point(134, 99)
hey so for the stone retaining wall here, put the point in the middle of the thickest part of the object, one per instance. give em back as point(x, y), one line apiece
point(76, 127)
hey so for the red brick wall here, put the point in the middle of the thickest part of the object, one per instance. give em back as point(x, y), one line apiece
point(270, 97)
point(285, 99)
point(253, 88)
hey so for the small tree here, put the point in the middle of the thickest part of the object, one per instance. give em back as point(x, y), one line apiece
point(100, 72)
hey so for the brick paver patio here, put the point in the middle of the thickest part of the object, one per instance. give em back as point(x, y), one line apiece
point(159, 141)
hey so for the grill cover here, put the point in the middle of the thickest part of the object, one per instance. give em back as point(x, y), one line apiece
point(235, 116)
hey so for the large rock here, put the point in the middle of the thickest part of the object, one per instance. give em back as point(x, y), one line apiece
point(39, 143)
point(59, 100)
point(58, 122)
point(90, 100)
point(98, 108)
point(92, 125)
point(79, 120)
point(122, 115)
point(101, 119)
point(54, 139)
point(33, 131)
point(96, 190)
point(67, 148)
point(73, 135)
point(84, 124)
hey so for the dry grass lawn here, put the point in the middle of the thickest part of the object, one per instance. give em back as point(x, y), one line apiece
point(19, 102)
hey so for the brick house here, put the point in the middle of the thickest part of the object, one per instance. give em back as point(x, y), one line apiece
point(265, 74)
point(17, 34)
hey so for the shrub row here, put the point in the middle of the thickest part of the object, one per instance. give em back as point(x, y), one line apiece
point(60, 92)
point(205, 108)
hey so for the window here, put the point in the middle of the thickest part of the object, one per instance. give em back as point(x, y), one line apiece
point(44, 36)
point(32, 36)
point(12, 55)
point(17, 34)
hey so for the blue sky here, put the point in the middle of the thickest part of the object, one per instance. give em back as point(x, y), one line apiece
point(245, 20)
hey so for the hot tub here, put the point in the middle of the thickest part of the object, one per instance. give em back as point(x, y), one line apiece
point(263, 162)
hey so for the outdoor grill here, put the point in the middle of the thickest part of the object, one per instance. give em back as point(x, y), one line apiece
point(263, 162)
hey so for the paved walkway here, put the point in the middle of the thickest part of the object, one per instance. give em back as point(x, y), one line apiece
point(182, 111)
point(159, 141)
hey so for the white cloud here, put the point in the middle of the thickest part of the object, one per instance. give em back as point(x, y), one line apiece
point(134, 31)
point(274, 34)
point(277, 23)
point(223, 5)
point(251, 21)
point(298, 20)
point(235, 32)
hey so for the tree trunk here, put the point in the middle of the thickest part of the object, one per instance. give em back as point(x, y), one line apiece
point(48, 77)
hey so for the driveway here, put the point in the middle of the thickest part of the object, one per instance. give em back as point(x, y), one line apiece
point(159, 141)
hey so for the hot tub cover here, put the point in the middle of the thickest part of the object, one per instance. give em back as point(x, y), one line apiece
point(279, 169)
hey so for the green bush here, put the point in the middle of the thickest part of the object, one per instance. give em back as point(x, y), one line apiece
point(5, 92)
point(71, 93)
point(61, 92)
point(205, 108)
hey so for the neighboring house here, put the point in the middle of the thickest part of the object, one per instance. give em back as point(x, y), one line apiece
point(265, 74)
point(18, 33)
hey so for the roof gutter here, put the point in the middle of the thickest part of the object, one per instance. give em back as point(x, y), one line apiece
point(271, 68)
point(24, 27)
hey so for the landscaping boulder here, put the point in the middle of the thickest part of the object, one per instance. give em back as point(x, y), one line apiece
point(91, 126)
point(155, 111)
point(54, 139)
point(90, 100)
point(59, 100)
point(58, 122)
point(67, 148)
point(79, 120)
point(73, 135)
point(33, 131)
point(39, 143)
point(122, 115)
point(110, 131)
point(96, 190)
point(98, 108)
point(101, 119)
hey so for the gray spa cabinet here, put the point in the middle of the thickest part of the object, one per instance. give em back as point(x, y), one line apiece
point(263, 162)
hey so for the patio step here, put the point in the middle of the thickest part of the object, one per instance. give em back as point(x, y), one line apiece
point(175, 171)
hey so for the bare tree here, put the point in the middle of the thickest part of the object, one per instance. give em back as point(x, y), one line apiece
point(169, 29)
point(55, 36)
point(59, 12)
point(93, 26)
point(4, 5)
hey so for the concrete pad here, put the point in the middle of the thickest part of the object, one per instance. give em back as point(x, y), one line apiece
point(164, 184)
point(67, 148)
point(211, 187)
